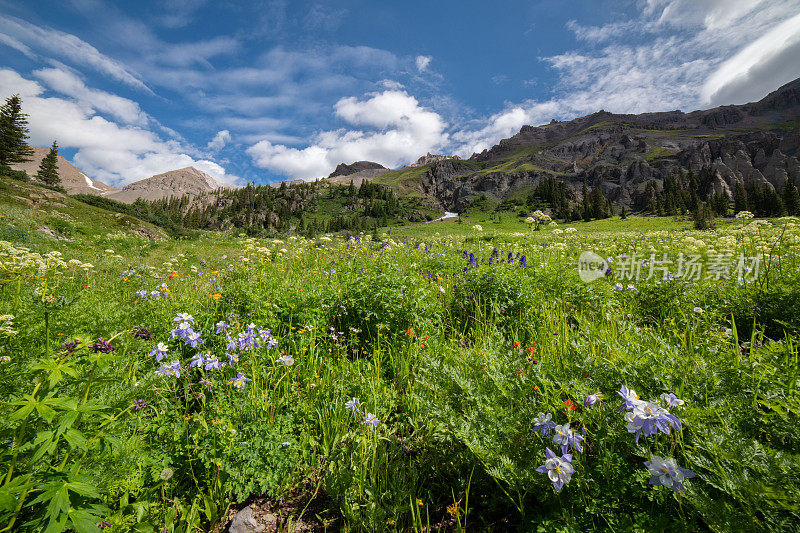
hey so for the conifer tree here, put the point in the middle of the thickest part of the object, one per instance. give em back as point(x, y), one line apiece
point(791, 197)
point(739, 198)
point(48, 171)
point(13, 132)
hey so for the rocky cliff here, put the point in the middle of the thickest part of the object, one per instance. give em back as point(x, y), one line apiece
point(755, 143)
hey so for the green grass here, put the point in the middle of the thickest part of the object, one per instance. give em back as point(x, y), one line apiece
point(455, 365)
point(789, 125)
point(657, 152)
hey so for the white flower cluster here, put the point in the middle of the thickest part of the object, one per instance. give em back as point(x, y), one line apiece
point(20, 260)
point(7, 325)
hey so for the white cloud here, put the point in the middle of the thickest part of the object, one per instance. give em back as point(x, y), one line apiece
point(70, 46)
point(115, 154)
point(16, 45)
point(423, 62)
point(758, 68)
point(400, 131)
point(675, 54)
point(219, 141)
point(69, 84)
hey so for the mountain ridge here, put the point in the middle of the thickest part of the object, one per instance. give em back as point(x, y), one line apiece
point(620, 154)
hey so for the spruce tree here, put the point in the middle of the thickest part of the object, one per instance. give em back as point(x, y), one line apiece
point(48, 171)
point(739, 198)
point(13, 132)
point(791, 197)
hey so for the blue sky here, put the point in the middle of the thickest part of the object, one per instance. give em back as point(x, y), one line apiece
point(269, 90)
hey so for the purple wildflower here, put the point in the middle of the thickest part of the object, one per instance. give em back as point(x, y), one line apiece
point(221, 327)
point(352, 405)
point(566, 437)
point(371, 420)
point(543, 424)
point(558, 469)
point(103, 346)
point(649, 418)
point(667, 473)
point(592, 399)
point(160, 351)
point(141, 333)
point(70, 346)
point(239, 380)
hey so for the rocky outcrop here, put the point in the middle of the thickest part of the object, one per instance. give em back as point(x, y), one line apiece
point(751, 144)
point(432, 158)
point(346, 170)
point(176, 183)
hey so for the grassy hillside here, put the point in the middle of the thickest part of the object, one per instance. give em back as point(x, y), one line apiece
point(30, 213)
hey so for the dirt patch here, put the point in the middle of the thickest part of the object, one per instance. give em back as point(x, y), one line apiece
point(295, 513)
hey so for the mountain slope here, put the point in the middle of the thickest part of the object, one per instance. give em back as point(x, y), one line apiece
point(72, 179)
point(176, 183)
point(755, 143)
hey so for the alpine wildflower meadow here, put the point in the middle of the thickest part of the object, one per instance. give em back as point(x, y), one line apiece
point(448, 376)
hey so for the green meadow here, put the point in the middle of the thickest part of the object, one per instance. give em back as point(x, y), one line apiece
point(449, 376)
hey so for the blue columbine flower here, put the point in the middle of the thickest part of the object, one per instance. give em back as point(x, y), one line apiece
point(172, 369)
point(592, 399)
point(221, 327)
point(543, 424)
point(352, 405)
point(233, 358)
point(193, 339)
point(672, 400)
point(183, 317)
point(239, 380)
point(142, 294)
point(371, 420)
point(160, 351)
point(212, 363)
point(182, 331)
point(649, 418)
point(617, 287)
point(566, 437)
point(196, 361)
point(667, 473)
point(558, 469)
point(630, 397)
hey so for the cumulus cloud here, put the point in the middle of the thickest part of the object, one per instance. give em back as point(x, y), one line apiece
point(396, 129)
point(423, 62)
point(219, 141)
point(113, 153)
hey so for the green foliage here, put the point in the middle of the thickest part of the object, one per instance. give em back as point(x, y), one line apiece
point(13, 132)
point(454, 365)
point(48, 171)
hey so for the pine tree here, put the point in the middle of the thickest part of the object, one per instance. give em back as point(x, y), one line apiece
point(791, 197)
point(739, 198)
point(13, 132)
point(48, 171)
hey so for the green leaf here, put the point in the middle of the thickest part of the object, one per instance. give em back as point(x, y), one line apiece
point(83, 521)
point(84, 489)
point(76, 439)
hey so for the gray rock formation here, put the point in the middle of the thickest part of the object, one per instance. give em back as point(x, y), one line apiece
point(176, 183)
